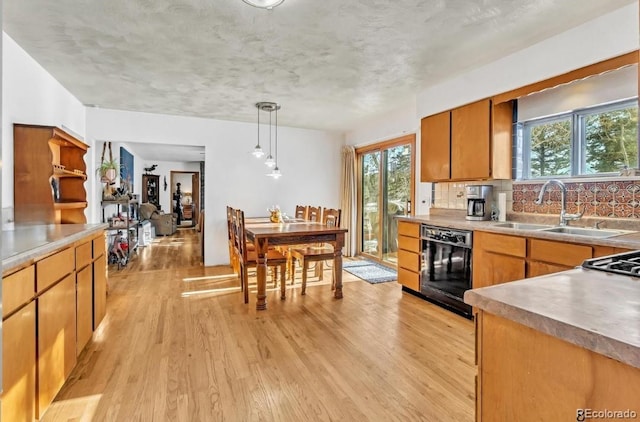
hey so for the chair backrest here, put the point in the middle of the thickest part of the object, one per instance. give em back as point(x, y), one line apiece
point(331, 217)
point(301, 211)
point(230, 212)
point(314, 214)
point(240, 239)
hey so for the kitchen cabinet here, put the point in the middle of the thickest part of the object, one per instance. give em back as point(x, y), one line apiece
point(472, 142)
point(497, 259)
point(49, 309)
point(435, 147)
point(409, 255)
point(19, 346)
point(151, 189)
point(524, 372)
point(56, 339)
point(49, 175)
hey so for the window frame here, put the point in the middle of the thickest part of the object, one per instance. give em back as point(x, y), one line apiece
point(578, 136)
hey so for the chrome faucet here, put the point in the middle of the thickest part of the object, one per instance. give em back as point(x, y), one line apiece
point(564, 217)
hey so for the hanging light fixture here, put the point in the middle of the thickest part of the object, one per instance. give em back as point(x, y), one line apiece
point(264, 4)
point(270, 161)
point(257, 151)
point(275, 173)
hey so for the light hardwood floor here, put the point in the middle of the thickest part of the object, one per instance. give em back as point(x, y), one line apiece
point(179, 344)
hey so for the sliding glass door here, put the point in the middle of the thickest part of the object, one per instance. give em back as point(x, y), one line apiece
point(386, 191)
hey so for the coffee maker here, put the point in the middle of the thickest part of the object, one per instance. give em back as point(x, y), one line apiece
point(479, 199)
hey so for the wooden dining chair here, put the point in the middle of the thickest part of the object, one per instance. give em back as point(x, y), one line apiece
point(249, 259)
point(233, 259)
point(301, 211)
point(317, 253)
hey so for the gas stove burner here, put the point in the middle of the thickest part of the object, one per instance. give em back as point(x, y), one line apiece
point(626, 263)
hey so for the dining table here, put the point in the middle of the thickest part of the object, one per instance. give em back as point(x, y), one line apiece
point(293, 232)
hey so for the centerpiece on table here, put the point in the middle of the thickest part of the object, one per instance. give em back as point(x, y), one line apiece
point(275, 215)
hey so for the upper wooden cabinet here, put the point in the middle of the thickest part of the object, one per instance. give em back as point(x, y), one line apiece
point(49, 175)
point(436, 147)
point(472, 142)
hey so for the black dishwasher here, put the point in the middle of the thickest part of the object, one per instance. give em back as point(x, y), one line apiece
point(446, 267)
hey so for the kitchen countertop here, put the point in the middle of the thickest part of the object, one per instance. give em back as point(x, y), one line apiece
point(22, 243)
point(592, 309)
point(456, 220)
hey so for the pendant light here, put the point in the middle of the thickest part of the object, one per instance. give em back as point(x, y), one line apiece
point(257, 151)
point(275, 173)
point(270, 162)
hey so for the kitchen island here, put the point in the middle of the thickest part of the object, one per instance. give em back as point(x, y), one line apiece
point(558, 347)
point(54, 290)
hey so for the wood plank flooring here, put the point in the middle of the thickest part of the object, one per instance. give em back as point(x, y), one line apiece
point(179, 344)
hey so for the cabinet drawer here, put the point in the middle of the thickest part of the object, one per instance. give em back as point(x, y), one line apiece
point(409, 279)
point(83, 255)
point(17, 289)
point(99, 246)
point(53, 268)
point(408, 229)
point(559, 252)
point(409, 243)
point(409, 260)
point(502, 244)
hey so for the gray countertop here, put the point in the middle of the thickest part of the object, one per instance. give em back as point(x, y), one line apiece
point(455, 220)
point(21, 243)
point(595, 310)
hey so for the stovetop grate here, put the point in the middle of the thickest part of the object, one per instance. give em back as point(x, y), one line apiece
point(626, 263)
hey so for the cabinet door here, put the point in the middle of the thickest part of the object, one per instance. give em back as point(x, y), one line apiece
point(471, 141)
point(536, 268)
point(490, 268)
point(99, 290)
point(19, 365)
point(84, 307)
point(435, 147)
point(56, 339)
point(409, 279)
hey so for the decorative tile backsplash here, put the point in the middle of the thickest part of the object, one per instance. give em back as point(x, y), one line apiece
point(613, 198)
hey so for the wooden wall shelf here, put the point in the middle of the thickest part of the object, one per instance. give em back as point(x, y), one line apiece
point(49, 175)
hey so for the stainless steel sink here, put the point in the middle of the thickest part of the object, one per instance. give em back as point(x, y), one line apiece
point(522, 226)
point(581, 231)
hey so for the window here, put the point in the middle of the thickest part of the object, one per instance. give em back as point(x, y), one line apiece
point(595, 140)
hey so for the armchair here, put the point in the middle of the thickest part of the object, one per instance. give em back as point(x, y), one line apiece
point(164, 224)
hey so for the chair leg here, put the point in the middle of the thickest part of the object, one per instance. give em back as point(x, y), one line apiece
point(293, 271)
point(245, 283)
point(283, 281)
point(320, 270)
point(305, 268)
point(274, 276)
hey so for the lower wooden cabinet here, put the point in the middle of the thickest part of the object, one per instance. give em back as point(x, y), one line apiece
point(499, 258)
point(525, 375)
point(99, 290)
point(84, 307)
point(19, 365)
point(49, 310)
point(56, 339)
point(409, 256)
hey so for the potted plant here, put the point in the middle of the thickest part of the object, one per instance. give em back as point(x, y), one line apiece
point(108, 170)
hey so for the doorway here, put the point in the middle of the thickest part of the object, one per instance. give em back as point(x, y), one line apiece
point(186, 203)
point(385, 191)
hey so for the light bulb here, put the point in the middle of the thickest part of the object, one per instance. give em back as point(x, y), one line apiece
point(257, 152)
point(270, 162)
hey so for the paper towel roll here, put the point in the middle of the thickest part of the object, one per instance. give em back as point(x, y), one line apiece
point(502, 206)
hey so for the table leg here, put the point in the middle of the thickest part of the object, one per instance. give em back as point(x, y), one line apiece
point(337, 263)
point(261, 273)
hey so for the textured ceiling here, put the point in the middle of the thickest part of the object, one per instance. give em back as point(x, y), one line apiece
point(329, 63)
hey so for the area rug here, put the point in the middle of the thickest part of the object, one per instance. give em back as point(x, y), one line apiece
point(370, 271)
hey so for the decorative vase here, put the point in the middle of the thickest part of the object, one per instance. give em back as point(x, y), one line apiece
point(275, 216)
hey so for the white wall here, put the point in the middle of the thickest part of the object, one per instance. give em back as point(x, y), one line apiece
point(308, 159)
point(31, 95)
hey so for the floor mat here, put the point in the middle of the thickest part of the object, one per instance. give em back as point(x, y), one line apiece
point(370, 271)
